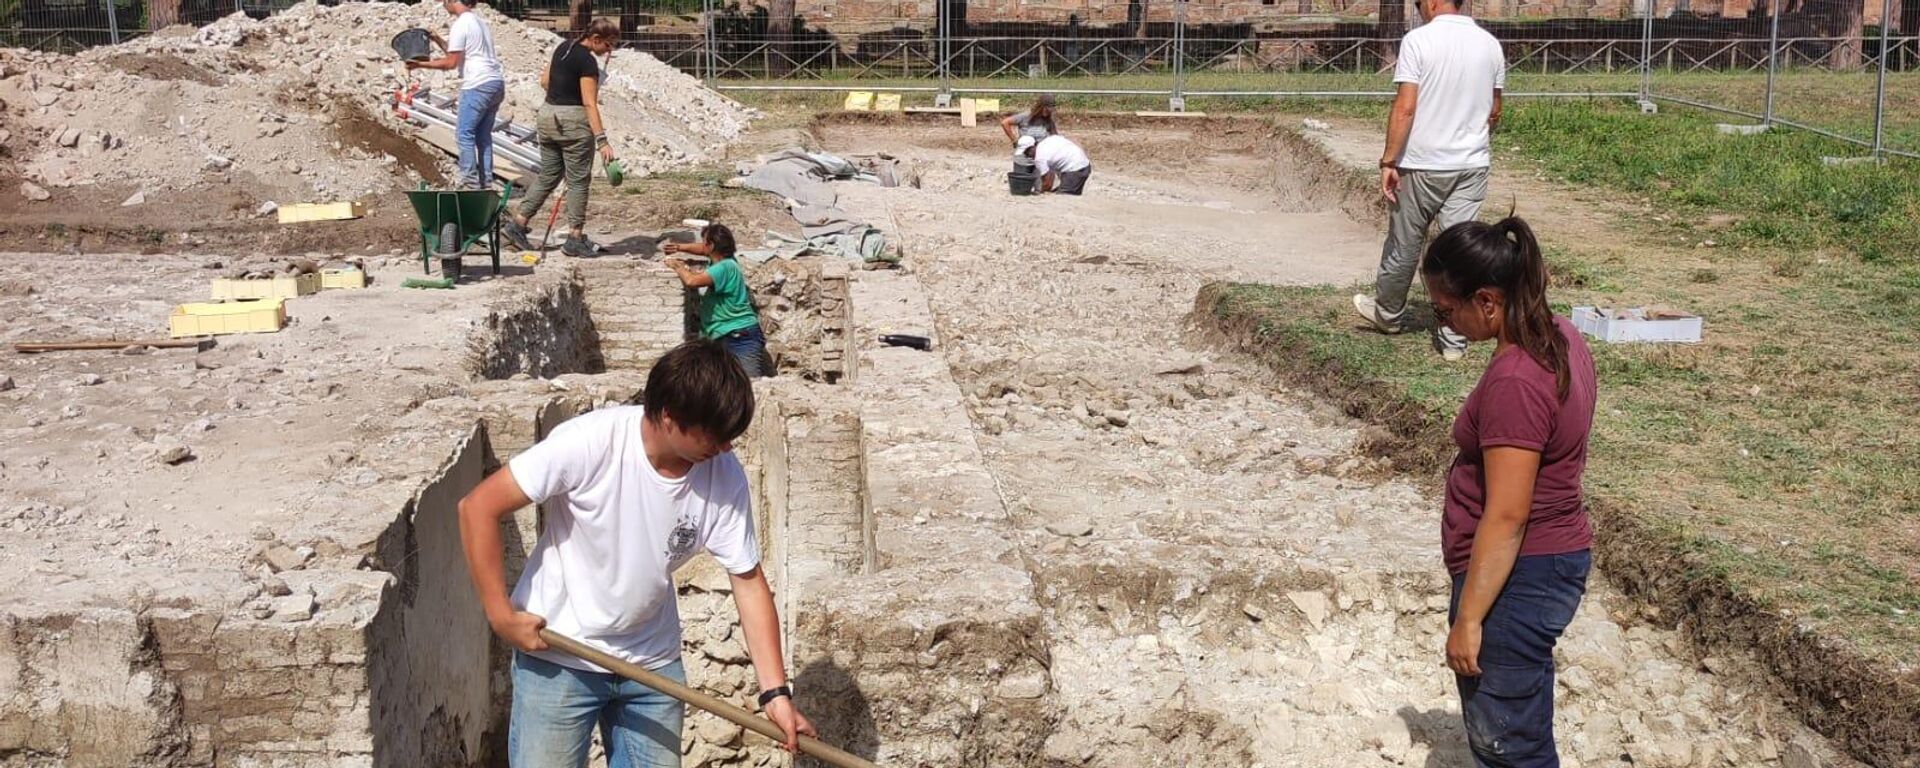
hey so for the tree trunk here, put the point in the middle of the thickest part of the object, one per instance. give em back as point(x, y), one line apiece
point(162, 14)
point(579, 15)
point(1391, 27)
point(1848, 22)
point(780, 36)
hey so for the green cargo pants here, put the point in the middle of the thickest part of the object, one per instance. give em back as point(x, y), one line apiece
point(566, 149)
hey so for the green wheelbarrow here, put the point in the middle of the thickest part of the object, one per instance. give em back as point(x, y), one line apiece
point(453, 220)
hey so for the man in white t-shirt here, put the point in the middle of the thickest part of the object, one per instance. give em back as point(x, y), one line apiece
point(1061, 165)
point(1439, 146)
point(483, 87)
point(631, 494)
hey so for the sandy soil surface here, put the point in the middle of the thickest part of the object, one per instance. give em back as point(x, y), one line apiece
point(1226, 579)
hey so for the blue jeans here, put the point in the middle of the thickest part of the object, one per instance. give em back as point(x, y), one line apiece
point(749, 346)
point(1509, 707)
point(556, 708)
point(474, 134)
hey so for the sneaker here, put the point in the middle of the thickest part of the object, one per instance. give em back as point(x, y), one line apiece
point(516, 233)
point(1370, 312)
point(580, 247)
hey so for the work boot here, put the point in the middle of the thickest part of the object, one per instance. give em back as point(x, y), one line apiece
point(516, 233)
point(579, 247)
point(1370, 311)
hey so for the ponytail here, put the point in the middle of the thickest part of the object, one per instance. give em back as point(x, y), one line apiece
point(602, 27)
point(1505, 255)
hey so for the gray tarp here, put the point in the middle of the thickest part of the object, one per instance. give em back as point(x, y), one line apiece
point(803, 180)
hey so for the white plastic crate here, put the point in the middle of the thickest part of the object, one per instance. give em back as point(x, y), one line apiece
point(1621, 326)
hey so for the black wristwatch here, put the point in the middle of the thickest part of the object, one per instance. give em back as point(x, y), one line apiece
point(767, 696)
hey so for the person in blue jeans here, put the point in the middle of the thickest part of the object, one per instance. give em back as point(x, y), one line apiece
point(1515, 533)
point(726, 307)
point(631, 495)
point(483, 88)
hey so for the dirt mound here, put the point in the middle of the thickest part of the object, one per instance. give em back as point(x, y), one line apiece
point(297, 105)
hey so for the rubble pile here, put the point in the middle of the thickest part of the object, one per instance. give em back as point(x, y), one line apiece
point(300, 104)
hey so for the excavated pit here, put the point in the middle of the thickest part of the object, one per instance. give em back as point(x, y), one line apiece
point(1069, 535)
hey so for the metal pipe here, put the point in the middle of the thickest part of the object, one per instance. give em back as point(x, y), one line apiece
point(943, 19)
point(1646, 53)
point(706, 15)
point(113, 22)
point(816, 748)
point(1178, 101)
point(1773, 57)
point(513, 152)
point(1880, 90)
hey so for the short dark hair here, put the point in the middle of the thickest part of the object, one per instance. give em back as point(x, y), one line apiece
point(721, 238)
point(701, 386)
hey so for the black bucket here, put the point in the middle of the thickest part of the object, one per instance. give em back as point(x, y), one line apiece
point(413, 45)
point(1021, 183)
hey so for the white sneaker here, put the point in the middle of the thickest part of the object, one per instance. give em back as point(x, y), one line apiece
point(1370, 311)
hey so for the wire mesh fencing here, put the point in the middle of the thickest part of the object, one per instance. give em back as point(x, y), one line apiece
point(1845, 68)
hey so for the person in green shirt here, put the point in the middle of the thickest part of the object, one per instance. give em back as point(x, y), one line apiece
point(726, 309)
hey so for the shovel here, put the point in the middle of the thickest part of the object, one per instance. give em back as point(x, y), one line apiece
point(816, 748)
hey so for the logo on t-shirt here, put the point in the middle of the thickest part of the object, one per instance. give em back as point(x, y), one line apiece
point(680, 542)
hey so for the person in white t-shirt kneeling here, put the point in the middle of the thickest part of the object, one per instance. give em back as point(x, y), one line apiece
point(1061, 165)
point(631, 494)
point(483, 88)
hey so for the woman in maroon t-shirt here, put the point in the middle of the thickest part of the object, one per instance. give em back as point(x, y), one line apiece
point(1515, 533)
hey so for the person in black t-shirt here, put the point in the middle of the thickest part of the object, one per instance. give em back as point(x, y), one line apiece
point(570, 130)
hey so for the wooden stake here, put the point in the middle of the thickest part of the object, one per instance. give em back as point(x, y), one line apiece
point(36, 347)
point(825, 752)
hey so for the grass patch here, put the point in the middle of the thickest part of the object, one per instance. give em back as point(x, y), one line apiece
point(1770, 471)
point(1769, 191)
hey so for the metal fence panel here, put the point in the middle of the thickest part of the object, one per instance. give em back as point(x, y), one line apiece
point(1847, 72)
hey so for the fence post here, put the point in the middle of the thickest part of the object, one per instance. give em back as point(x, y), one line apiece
point(943, 40)
point(1773, 56)
point(239, 6)
point(113, 23)
point(1880, 90)
point(1646, 55)
point(710, 57)
point(1177, 101)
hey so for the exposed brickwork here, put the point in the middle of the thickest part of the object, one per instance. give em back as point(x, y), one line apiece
point(639, 309)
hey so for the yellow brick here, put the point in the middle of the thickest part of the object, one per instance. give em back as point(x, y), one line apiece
point(205, 319)
point(300, 212)
point(887, 102)
point(332, 279)
point(859, 101)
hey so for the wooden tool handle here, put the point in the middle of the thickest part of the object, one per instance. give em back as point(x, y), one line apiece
point(808, 745)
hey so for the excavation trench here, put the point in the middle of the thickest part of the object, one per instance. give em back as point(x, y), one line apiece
point(1071, 534)
point(1220, 572)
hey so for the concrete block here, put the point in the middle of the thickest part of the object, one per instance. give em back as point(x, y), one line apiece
point(1731, 129)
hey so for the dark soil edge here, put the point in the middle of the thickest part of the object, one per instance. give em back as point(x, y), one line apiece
point(1867, 707)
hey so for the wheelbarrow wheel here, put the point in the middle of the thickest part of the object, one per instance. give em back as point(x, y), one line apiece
point(449, 250)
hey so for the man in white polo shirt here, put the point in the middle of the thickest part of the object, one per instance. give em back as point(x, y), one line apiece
point(631, 494)
point(483, 87)
point(1439, 146)
point(1062, 165)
